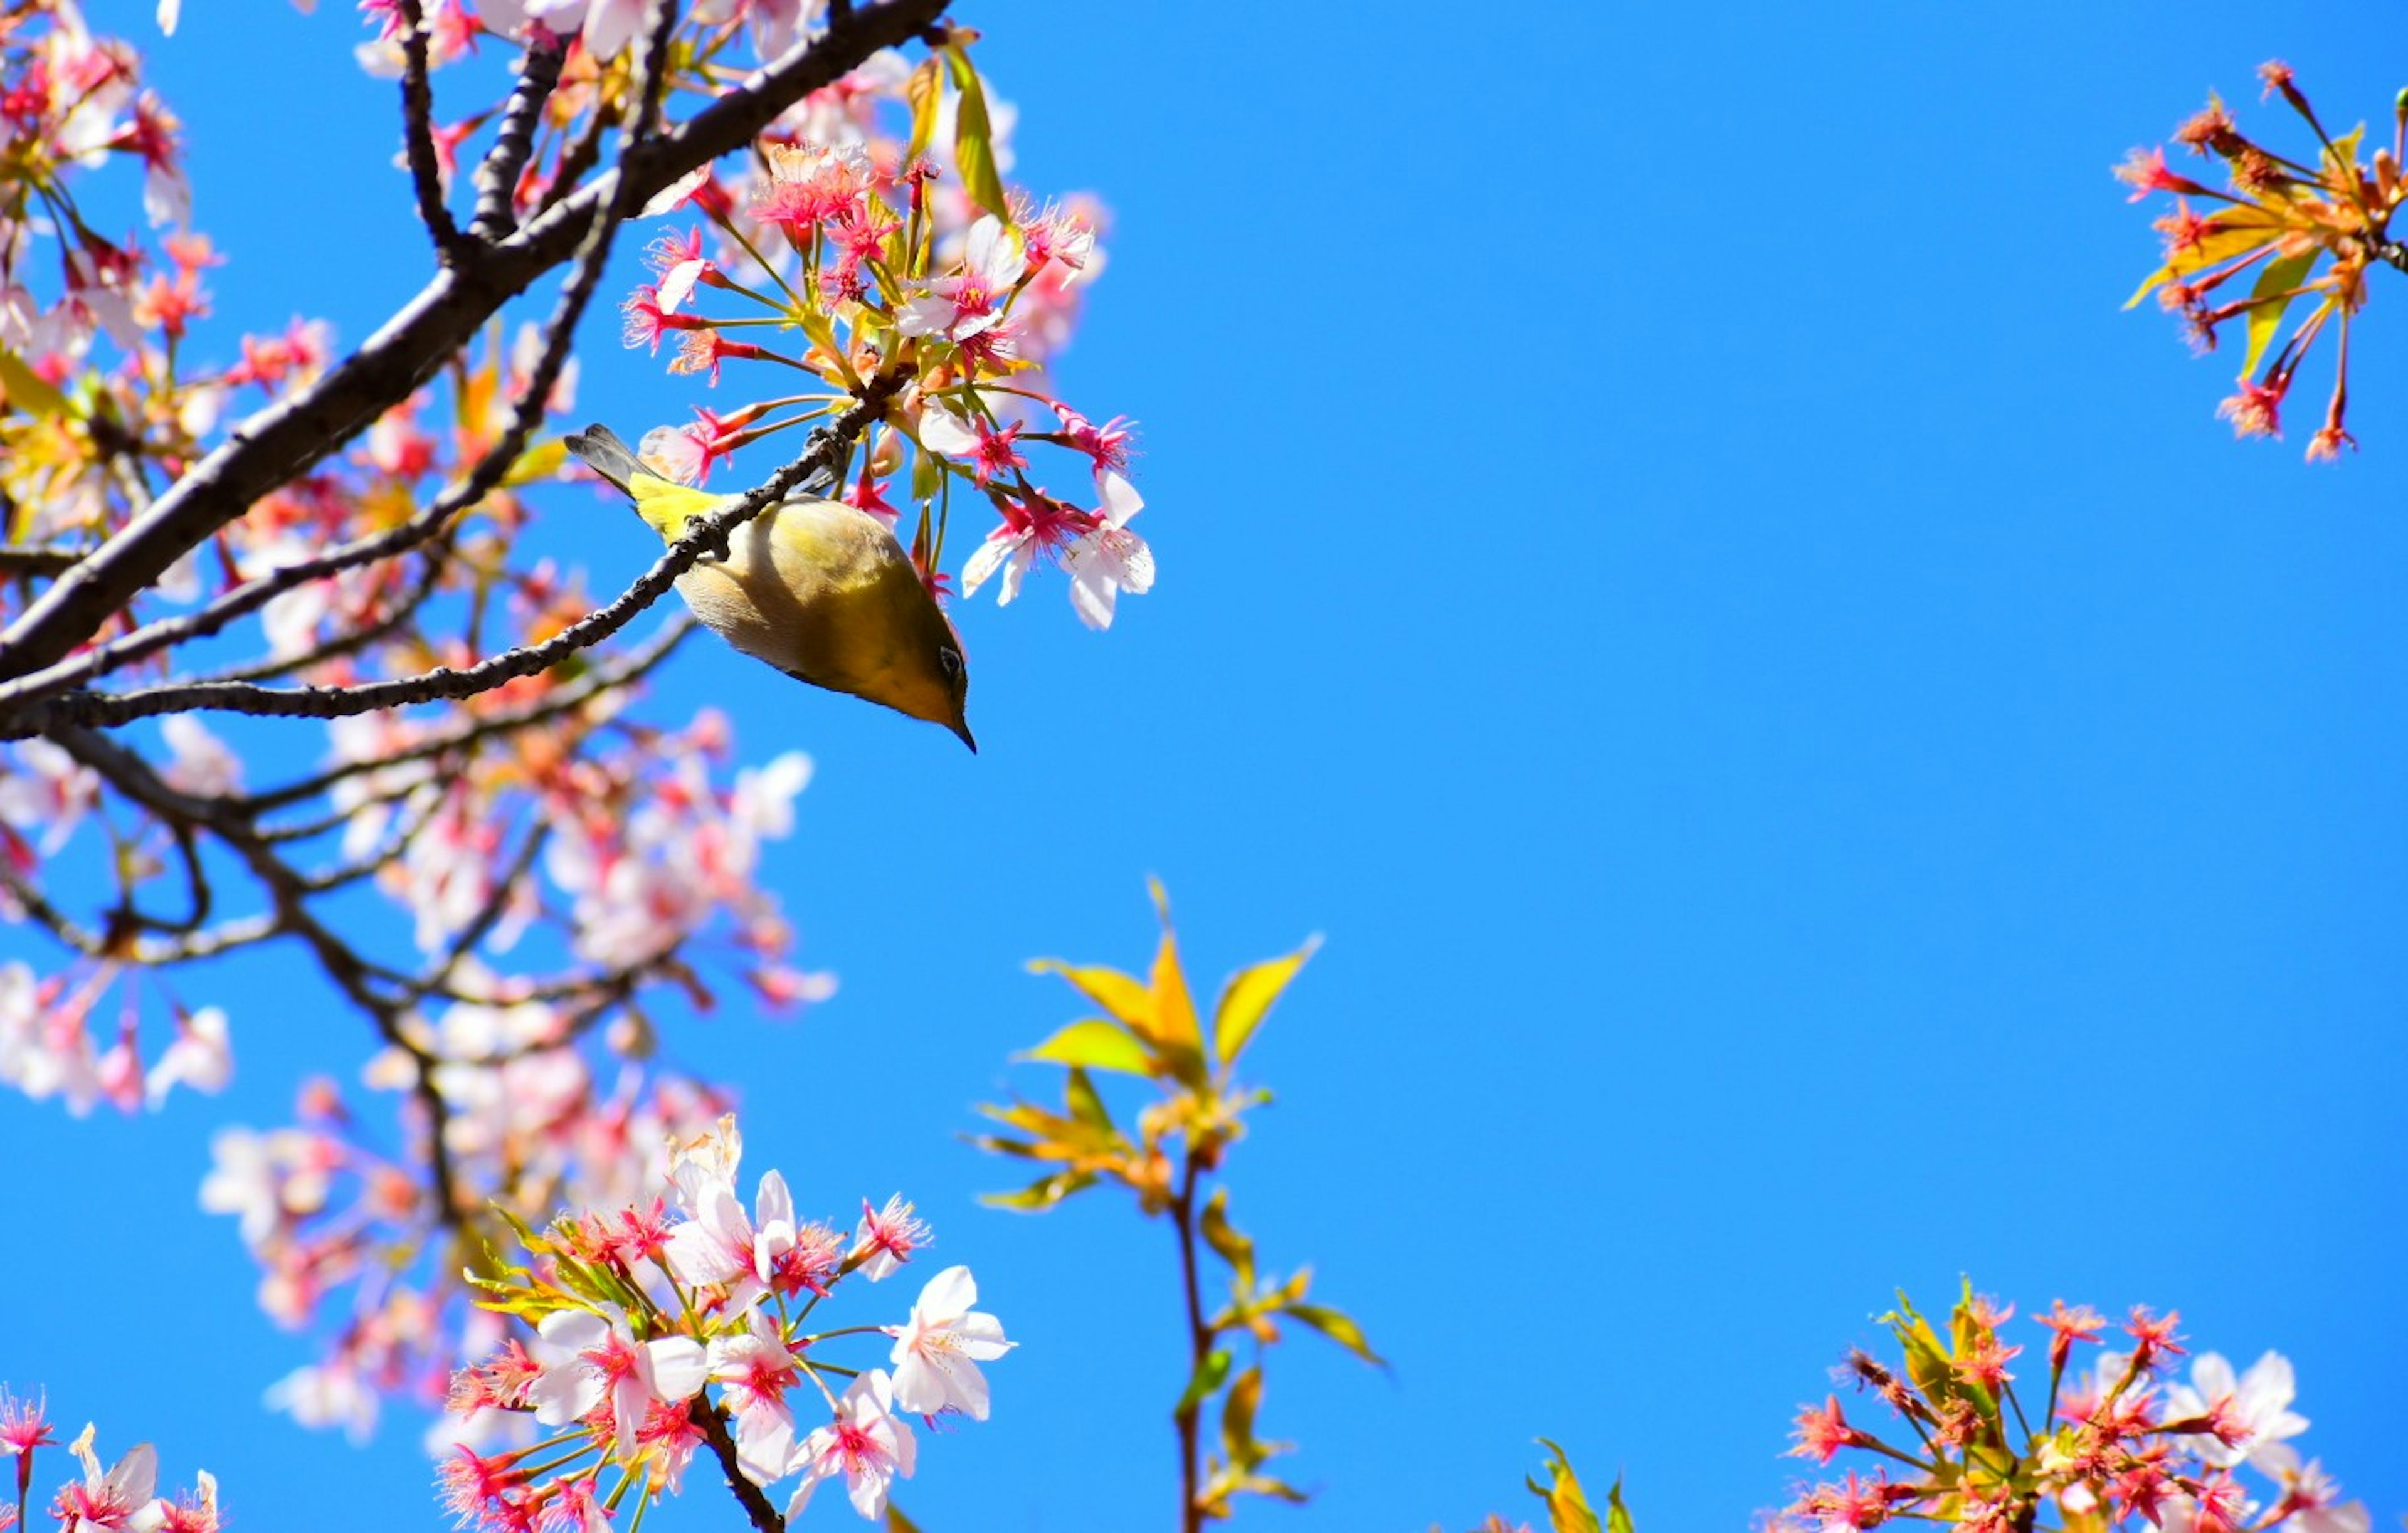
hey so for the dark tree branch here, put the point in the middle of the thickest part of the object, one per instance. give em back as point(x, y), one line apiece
point(712, 1418)
point(628, 668)
point(288, 892)
point(704, 535)
point(283, 440)
point(498, 174)
point(16, 561)
point(418, 139)
point(559, 332)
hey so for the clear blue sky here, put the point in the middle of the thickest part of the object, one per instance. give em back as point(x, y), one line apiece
point(1820, 764)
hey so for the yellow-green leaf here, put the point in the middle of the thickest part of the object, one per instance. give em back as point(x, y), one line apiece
point(973, 135)
point(1122, 996)
point(1927, 1360)
point(1237, 1419)
point(2341, 161)
point(1040, 1195)
point(1098, 1044)
point(2235, 231)
point(1617, 1516)
point(1176, 1029)
point(924, 89)
point(1227, 1244)
point(28, 390)
point(543, 461)
point(1340, 1327)
point(1567, 1508)
point(2274, 285)
point(1085, 1103)
point(1208, 1376)
point(1247, 999)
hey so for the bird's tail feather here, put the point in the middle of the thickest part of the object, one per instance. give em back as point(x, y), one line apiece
point(607, 454)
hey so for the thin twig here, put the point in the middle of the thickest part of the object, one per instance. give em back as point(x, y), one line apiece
point(418, 138)
point(705, 534)
point(631, 667)
point(15, 561)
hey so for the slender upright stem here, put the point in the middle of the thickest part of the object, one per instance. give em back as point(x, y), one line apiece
point(1199, 1346)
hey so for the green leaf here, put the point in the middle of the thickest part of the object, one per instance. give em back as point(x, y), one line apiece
point(1617, 1516)
point(1098, 1044)
point(1247, 999)
point(1123, 996)
point(924, 89)
point(2236, 231)
point(1209, 1375)
point(28, 390)
point(1340, 1327)
point(543, 460)
point(1237, 1419)
point(1567, 1508)
point(1235, 1248)
point(1086, 1104)
point(973, 135)
point(2280, 275)
point(1927, 1364)
point(1176, 1030)
point(1039, 1195)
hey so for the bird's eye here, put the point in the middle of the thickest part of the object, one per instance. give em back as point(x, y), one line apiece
point(948, 660)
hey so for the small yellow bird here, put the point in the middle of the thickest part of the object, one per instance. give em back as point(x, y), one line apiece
point(816, 588)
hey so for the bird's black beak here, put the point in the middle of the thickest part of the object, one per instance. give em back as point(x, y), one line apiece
point(961, 727)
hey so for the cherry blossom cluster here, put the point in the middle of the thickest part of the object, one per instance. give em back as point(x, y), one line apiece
point(2278, 220)
point(353, 1246)
point(120, 1498)
point(562, 870)
point(875, 237)
point(2122, 1443)
point(553, 875)
point(682, 1322)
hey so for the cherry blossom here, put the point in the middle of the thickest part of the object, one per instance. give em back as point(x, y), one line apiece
point(866, 1443)
point(937, 1352)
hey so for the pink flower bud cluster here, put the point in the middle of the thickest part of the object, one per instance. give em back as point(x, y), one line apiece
point(2121, 1444)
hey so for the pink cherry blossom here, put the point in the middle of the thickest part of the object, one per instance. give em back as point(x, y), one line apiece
point(937, 1354)
point(586, 1358)
point(866, 1444)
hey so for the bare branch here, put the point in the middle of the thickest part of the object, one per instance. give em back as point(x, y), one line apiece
point(498, 174)
point(627, 668)
point(704, 535)
point(17, 561)
point(712, 1418)
point(418, 138)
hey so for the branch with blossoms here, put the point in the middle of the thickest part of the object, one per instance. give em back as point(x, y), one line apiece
point(683, 1323)
point(120, 1498)
point(305, 531)
point(1150, 1030)
point(2110, 1446)
point(852, 261)
point(2303, 229)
